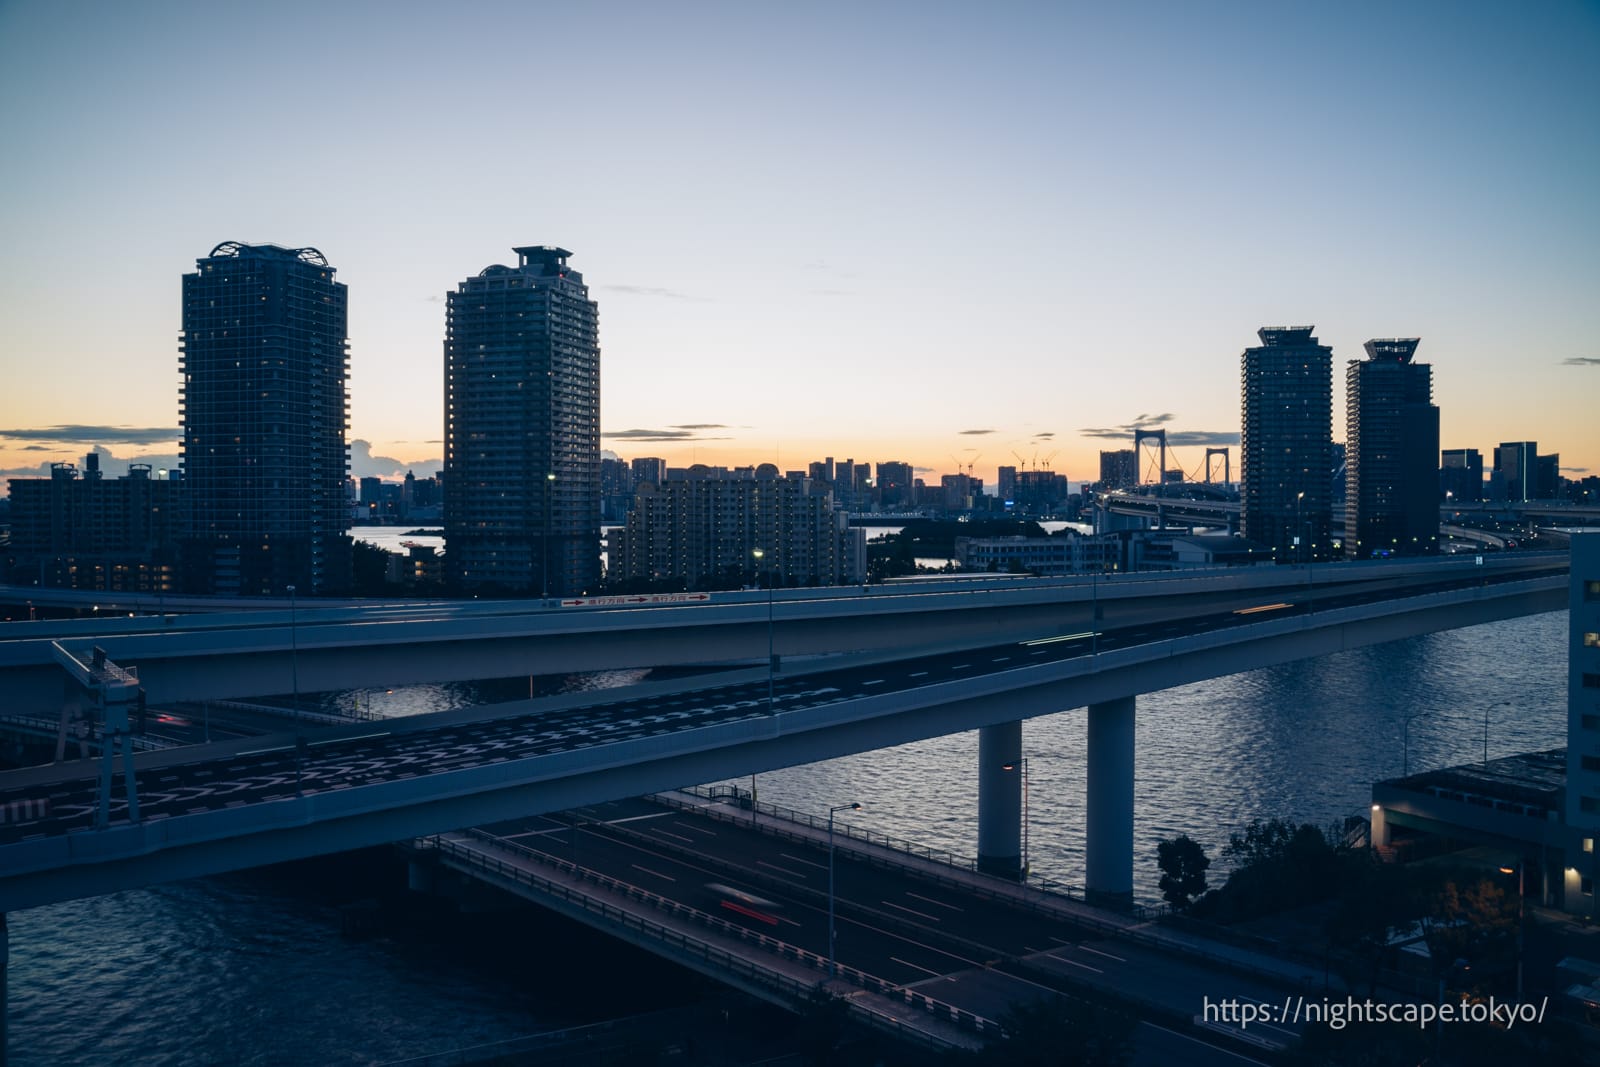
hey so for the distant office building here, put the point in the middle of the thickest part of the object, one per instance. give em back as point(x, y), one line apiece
point(1547, 480)
point(1517, 464)
point(92, 532)
point(265, 365)
point(1006, 486)
point(960, 492)
point(649, 470)
point(1461, 475)
point(1040, 492)
point(616, 489)
point(1119, 469)
point(522, 429)
point(702, 526)
point(1286, 400)
point(896, 485)
point(1391, 441)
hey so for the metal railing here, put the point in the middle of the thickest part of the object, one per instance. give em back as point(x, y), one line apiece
point(1042, 898)
point(742, 966)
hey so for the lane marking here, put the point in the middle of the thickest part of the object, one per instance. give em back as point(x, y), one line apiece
point(1097, 952)
point(930, 900)
point(658, 874)
point(875, 681)
point(780, 870)
point(802, 859)
point(915, 966)
point(910, 911)
point(1205, 1044)
point(696, 829)
point(679, 837)
point(919, 674)
point(1075, 963)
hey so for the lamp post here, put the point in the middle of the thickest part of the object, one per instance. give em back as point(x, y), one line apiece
point(833, 966)
point(760, 554)
point(1299, 525)
point(294, 648)
point(1023, 763)
point(544, 539)
point(1405, 763)
point(1486, 710)
point(1522, 866)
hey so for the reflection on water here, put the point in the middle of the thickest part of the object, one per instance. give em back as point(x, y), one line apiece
point(1303, 740)
point(241, 970)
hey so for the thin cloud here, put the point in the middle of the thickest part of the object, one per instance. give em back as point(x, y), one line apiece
point(74, 434)
point(1203, 437)
point(1048, 433)
point(1141, 422)
point(975, 433)
point(662, 435)
point(1581, 361)
point(701, 426)
point(650, 290)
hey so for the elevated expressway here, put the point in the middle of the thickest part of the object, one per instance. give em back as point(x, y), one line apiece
point(238, 804)
point(313, 649)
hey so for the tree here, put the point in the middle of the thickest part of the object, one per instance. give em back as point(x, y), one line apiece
point(1062, 1032)
point(1183, 864)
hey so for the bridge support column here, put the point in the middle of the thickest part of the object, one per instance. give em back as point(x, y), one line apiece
point(5, 959)
point(1000, 799)
point(1109, 878)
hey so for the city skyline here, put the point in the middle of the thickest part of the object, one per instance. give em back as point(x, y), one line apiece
point(903, 234)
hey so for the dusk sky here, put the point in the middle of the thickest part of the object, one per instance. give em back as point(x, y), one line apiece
point(887, 231)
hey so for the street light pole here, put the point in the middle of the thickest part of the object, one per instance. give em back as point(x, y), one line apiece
point(759, 554)
point(294, 648)
point(544, 540)
point(1522, 866)
point(1023, 764)
point(1405, 763)
point(833, 966)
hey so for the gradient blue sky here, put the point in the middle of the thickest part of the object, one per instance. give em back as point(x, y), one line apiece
point(863, 230)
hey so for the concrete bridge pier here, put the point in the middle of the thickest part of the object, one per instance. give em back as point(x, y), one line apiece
point(1109, 843)
point(1000, 799)
point(5, 959)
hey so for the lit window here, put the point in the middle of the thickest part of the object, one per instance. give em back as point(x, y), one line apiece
point(1591, 640)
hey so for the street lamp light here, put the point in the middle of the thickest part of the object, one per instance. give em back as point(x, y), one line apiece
point(833, 966)
point(1023, 762)
point(294, 648)
point(760, 554)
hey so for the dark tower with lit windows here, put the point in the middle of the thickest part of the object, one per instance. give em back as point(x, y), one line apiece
point(264, 406)
point(522, 429)
point(1286, 443)
point(1391, 449)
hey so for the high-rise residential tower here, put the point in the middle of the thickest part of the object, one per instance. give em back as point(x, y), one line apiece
point(522, 429)
point(1391, 449)
point(265, 365)
point(1286, 442)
